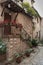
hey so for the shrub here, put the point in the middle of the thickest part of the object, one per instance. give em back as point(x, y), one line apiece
point(34, 42)
point(29, 9)
point(25, 5)
point(2, 48)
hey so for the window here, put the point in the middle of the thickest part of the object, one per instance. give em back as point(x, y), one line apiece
point(7, 20)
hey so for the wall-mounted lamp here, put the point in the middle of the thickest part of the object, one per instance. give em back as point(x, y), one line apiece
point(9, 5)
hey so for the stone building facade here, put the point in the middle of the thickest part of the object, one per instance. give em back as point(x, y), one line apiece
point(13, 42)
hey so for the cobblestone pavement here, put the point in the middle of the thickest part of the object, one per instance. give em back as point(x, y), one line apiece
point(35, 60)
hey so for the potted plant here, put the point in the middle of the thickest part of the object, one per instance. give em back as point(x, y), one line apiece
point(18, 57)
point(2, 51)
point(27, 52)
point(34, 42)
point(23, 55)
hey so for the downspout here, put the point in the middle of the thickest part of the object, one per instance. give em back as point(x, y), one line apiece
point(16, 17)
point(2, 11)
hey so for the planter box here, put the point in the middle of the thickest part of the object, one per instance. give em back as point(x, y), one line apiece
point(3, 57)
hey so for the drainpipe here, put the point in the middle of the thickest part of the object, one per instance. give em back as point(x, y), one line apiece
point(2, 11)
point(16, 17)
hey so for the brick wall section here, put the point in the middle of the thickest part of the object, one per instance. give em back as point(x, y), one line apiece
point(14, 45)
point(25, 21)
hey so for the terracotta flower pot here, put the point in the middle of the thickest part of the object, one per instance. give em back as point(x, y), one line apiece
point(3, 57)
point(27, 54)
point(18, 60)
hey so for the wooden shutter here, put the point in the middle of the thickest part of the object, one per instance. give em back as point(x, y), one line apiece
point(7, 27)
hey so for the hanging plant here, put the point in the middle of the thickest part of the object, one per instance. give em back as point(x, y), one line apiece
point(25, 5)
point(29, 9)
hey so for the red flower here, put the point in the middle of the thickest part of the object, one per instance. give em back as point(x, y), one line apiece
point(14, 22)
point(7, 21)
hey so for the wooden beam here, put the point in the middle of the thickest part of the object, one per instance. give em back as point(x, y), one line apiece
point(2, 11)
point(16, 17)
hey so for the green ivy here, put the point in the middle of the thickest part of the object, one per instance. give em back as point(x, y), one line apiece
point(26, 5)
point(29, 9)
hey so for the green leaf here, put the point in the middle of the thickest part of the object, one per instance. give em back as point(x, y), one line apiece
point(29, 9)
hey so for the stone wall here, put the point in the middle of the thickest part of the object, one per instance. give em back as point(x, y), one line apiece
point(36, 31)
